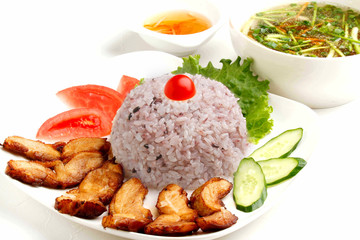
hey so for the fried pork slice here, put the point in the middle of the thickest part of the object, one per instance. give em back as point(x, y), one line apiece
point(170, 225)
point(207, 201)
point(126, 211)
point(216, 221)
point(32, 149)
point(173, 200)
point(94, 192)
point(86, 144)
point(176, 217)
point(55, 174)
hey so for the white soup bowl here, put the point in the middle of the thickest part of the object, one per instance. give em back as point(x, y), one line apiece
point(316, 82)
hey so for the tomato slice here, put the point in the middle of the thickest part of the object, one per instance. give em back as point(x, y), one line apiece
point(78, 122)
point(126, 84)
point(103, 98)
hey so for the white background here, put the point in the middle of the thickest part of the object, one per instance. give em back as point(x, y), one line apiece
point(51, 41)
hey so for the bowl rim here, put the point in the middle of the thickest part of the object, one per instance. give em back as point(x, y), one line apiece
point(282, 54)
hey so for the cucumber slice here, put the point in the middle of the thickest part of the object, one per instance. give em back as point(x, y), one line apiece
point(277, 170)
point(280, 146)
point(249, 186)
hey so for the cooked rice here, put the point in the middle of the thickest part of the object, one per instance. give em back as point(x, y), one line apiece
point(187, 142)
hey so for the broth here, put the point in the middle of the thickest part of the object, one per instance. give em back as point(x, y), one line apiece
point(178, 22)
point(307, 29)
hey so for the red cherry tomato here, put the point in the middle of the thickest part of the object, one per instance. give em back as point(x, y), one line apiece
point(179, 88)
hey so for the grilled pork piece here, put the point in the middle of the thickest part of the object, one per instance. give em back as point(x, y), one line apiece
point(38, 150)
point(206, 200)
point(216, 221)
point(32, 149)
point(176, 217)
point(170, 225)
point(126, 211)
point(86, 144)
point(173, 200)
point(94, 192)
point(55, 174)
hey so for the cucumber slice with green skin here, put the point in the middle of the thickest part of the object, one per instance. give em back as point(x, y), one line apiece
point(249, 190)
point(280, 146)
point(277, 170)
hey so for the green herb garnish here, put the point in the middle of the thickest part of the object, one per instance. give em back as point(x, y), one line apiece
point(330, 31)
point(252, 93)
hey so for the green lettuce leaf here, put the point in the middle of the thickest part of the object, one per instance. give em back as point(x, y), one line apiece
point(252, 93)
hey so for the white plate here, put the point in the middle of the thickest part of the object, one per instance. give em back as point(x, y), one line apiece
point(287, 114)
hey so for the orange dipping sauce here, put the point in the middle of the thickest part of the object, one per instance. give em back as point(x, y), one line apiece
point(177, 22)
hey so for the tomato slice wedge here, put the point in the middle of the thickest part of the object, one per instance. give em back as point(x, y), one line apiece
point(103, 98)
point(75, 123)
point(126, 84)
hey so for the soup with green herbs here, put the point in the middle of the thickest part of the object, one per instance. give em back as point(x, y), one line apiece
point(308, 29)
